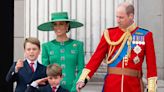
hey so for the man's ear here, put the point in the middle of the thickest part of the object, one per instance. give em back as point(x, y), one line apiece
point(131, 16)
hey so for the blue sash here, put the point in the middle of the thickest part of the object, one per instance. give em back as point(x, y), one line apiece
point(142, 32)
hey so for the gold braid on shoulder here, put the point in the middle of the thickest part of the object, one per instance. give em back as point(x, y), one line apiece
point(126, 37)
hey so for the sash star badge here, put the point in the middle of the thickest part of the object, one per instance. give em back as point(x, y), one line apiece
point(136, 60)
point(137, 49)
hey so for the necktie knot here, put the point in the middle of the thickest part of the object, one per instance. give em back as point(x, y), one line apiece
point(32, 63)
point(32, 67)
point(53, 89)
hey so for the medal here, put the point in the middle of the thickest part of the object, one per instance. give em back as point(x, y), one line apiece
point(137, 39)
point(137, 49)
point(143, 41)
point(134, 41)
point(136, 60)
point(140, 40)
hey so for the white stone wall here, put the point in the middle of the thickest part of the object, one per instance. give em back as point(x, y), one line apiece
point(18, 28)
point(153, 19)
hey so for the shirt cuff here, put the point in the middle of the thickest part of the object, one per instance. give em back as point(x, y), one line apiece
point(16, 71)
point(34, 84)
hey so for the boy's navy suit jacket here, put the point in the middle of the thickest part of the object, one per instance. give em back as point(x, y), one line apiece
point(24, 77)
point(46, 88)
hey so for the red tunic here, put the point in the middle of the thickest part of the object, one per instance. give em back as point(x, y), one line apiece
point(142, 45)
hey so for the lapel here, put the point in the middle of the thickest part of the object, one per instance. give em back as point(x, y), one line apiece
point(26, 72)
point(47, 88)
point(37, 71)
point(27, 67)
point(60, 89)
point(40, 72)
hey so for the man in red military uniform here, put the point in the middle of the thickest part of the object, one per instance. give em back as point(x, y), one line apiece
point(125, 47)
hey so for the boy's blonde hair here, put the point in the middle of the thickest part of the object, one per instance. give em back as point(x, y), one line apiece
point(54, 70)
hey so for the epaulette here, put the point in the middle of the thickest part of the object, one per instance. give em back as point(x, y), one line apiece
point(144, 29)
point(141, 31)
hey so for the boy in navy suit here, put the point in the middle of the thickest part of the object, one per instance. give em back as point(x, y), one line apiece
point(54, 73)
point(23, 72)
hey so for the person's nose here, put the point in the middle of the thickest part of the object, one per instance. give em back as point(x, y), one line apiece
point(54, 81)
point(31, 51)
point(57, 27)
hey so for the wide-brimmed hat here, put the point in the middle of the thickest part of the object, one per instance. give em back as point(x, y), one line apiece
point(59, 16)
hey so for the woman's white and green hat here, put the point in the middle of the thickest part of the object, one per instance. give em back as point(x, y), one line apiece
point(59, 16)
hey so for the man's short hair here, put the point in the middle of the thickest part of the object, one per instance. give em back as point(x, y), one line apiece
point(130, 9)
